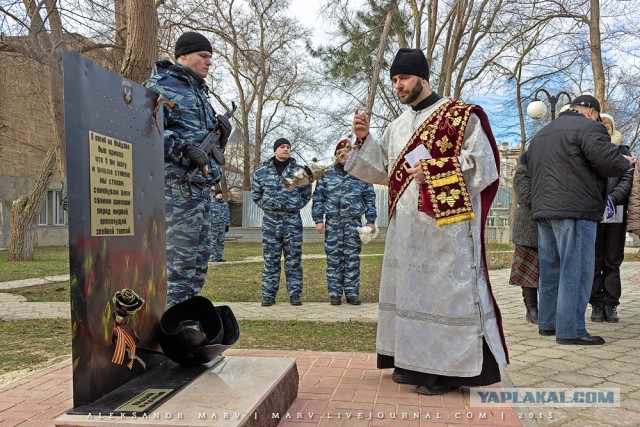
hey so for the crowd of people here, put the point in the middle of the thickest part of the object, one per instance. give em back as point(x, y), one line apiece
point(572, 186)
point(439, 325)
point(196, 223)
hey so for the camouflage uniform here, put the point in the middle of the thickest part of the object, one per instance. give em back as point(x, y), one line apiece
point(188, 220)
point(220, 220)
point(281, 226)
point(340, 200)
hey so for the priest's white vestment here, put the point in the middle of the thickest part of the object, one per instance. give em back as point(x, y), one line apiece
point(435, 302)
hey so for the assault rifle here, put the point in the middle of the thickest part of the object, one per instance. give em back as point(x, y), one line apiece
point(209, 146)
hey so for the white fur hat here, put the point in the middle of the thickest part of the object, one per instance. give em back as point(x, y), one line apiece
point(608, 116)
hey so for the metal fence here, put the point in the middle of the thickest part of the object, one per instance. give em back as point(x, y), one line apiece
point(252, 214)
point(497, 230)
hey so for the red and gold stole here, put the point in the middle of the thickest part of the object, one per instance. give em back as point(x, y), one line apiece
point(445, 194)
point(442, 134)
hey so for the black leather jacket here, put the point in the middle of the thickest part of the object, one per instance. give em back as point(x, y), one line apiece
point(619, 187)
point(569, 161)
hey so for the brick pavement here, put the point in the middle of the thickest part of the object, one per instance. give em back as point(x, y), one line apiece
point(332, 383)
point(336, 389)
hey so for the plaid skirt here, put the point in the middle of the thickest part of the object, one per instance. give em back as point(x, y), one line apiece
point(524, 270)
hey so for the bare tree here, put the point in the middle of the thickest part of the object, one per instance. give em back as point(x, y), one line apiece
point(454, 36)
point(596, 50)
point(141, 42)
point(379, 57)
point(39, 34)
point(262, 50)
point(45, 45)
point(533, 55)
point(604, 26)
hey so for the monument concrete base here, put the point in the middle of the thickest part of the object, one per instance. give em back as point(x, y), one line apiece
point(239, 391)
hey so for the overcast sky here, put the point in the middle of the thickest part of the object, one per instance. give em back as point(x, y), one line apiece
point(308, 14)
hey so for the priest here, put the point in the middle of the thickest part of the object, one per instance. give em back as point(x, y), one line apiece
point(439, 325)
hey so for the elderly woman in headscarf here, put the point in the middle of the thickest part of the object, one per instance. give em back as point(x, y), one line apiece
point(610, 239)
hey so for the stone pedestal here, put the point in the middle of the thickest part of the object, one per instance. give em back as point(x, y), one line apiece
point(240, 391)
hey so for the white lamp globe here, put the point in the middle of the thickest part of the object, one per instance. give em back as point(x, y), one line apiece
point(537, 110)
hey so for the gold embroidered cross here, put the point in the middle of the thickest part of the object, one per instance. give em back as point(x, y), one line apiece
point(444, 144)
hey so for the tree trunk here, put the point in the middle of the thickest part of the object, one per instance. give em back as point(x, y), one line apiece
point(376, 71)
point(26, 209)
point(142, 40)
point(247, 167)
point(596, 52)
point(120, 9)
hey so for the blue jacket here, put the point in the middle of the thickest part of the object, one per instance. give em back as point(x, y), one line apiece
point(189, 120)
point(341, 195)
point(269, 192)
point(220, 212)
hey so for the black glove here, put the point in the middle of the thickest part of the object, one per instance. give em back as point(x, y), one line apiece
point(195, 154)
point(226, 228)
point(225, 130)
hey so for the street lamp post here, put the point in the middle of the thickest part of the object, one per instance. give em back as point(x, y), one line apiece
point(537, 109)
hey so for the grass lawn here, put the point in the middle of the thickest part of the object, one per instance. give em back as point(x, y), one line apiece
point(226, 282)
point(243, 282)
point(30, 345)
point(48, 261)
point(50, 292)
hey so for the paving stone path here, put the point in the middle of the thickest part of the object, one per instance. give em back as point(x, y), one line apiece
point(536, 362)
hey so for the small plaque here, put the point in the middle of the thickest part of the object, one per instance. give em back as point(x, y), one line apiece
point(145, 400)
point(111, 184)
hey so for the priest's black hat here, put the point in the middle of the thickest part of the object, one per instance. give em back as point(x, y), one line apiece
point(410, 61)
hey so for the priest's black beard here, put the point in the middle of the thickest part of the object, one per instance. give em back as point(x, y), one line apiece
point(415, 93)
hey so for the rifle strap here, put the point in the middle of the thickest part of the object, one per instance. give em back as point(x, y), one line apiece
point(155, 113)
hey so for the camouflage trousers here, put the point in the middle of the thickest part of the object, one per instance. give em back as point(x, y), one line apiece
point(188, 242)
point(281, 232)
point(342, 245)
point(217, 241)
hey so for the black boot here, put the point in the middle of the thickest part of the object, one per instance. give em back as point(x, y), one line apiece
point(610, 313)
point(530, 297)
point(597, 314)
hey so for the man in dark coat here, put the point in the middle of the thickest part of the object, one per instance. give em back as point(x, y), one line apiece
point(569, 160)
